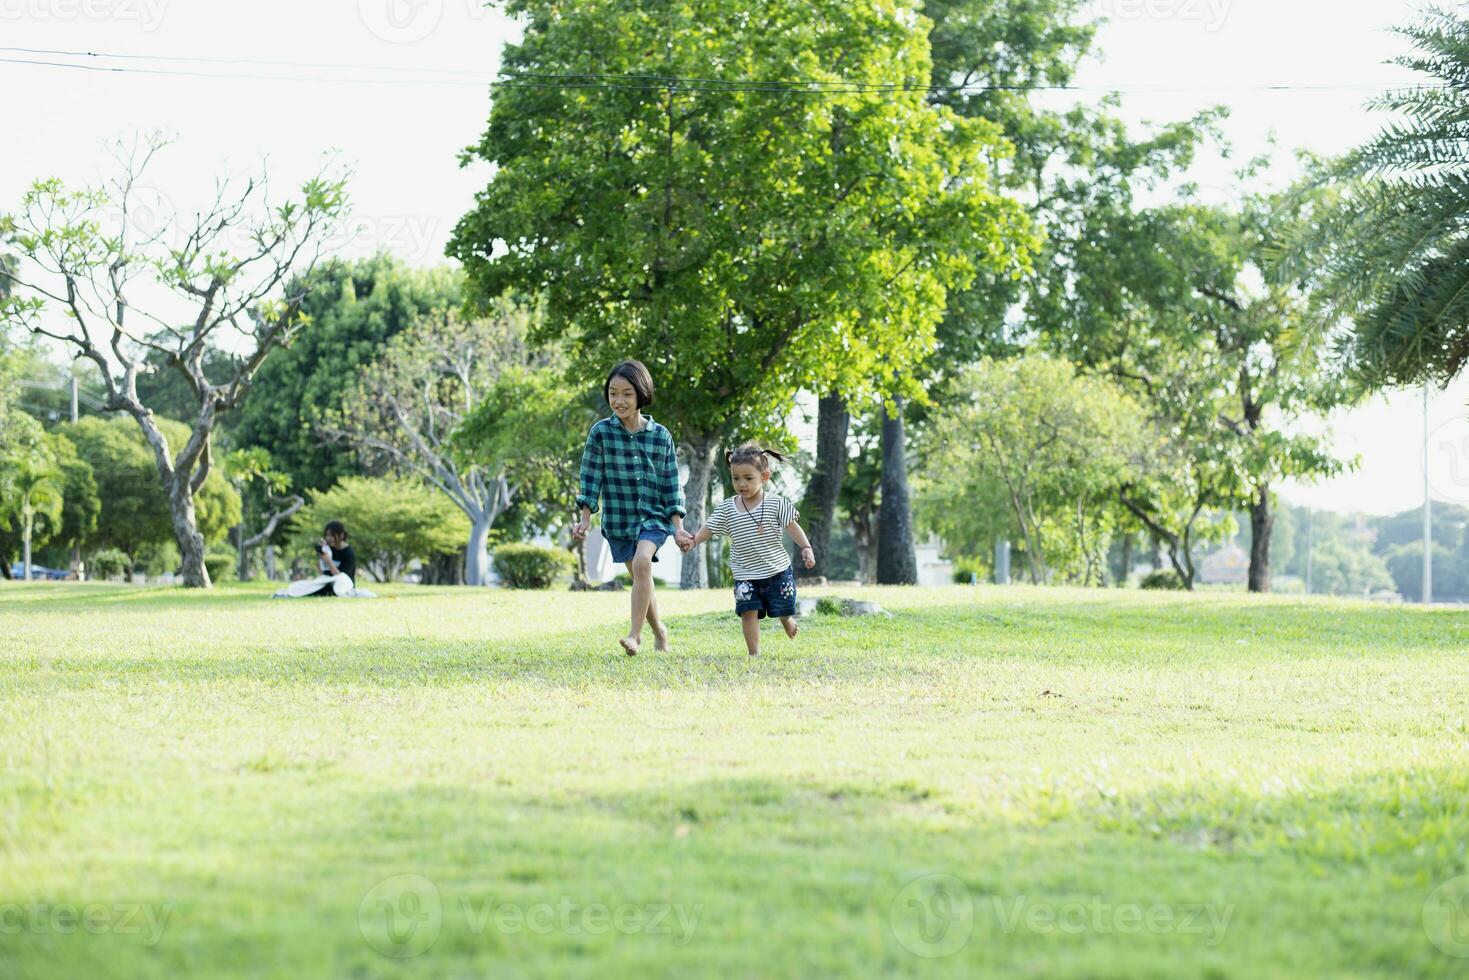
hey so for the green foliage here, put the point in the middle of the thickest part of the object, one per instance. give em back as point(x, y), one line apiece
point(1052, 446)
point(106, 563)
point(533, 425)
point(133, 511)
point(1185, 305)
point(1392, 251)
point(354, 309)
point(401, 414)
point(1163, 578)
point(969, 569)
point(748, 244)
point(221, 565)
point(1345, 565)
point(530, 566)
point(827, 606)
point(390, 522)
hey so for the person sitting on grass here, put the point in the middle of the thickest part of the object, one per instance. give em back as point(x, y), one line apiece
point(754, 520)
point(338, 567)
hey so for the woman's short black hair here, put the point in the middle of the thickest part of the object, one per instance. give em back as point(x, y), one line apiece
point(634, 373)
point(334, 527)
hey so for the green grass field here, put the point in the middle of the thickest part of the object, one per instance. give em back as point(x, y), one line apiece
point(1006, 782)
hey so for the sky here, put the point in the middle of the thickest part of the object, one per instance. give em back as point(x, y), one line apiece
point(413, 96)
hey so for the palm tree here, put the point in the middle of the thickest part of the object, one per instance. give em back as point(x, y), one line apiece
point(1394, 250)
point(40, 496)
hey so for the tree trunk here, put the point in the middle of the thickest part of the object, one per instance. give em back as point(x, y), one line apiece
point(699, 453)
point(1126, 561)
point(242, 552)
point(270, 562)
point(477, 554)
point(864, 536)
point(27, 529)
point(897, 562)
point(818, 510)
point(242, 557)
point(1262, 521)
point(186, 531)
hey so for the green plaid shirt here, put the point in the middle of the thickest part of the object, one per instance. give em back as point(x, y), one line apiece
point(635, 474)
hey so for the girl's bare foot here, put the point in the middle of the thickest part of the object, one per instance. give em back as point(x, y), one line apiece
point(789, 622)
point(660, 639)
point(630, 645)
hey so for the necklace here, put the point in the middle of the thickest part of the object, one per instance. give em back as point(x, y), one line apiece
point(758, 518)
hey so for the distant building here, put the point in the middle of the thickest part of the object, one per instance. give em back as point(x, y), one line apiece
point(1230, 565)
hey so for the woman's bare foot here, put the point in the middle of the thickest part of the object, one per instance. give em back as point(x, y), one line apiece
point(755, 652)
point(660, 639)
point(789, 622)
point(630, 645)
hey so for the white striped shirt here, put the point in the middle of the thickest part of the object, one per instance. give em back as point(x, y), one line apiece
point(756, 536)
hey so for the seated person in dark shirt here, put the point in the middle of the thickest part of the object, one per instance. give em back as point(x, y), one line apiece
point(337, 563)
point(336, 556)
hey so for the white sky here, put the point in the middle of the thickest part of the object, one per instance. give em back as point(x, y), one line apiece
point(403, 129)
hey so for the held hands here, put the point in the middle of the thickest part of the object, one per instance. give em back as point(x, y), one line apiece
point(808, 557)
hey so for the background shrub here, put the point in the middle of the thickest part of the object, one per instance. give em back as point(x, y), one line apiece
point(1162, 579)
point(969, 569)
point(222, 565)
point(106, 563)
point(530, 566)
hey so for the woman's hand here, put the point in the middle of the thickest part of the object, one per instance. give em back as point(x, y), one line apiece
point(683, 539)
point(580, 528)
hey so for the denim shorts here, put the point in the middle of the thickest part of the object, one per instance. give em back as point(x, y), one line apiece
point(623, 549)
point(774, 596)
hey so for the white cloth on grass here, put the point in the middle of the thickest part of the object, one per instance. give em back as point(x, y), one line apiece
point(341, 585)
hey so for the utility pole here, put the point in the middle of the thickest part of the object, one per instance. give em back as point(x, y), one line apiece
point(1427, 512)
point(1002, 562)
point(1310, 541)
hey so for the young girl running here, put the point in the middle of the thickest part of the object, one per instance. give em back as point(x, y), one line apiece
point(754, 518)
point(629, 463)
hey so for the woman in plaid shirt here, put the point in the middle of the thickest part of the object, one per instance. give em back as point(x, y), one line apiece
point(630, 464)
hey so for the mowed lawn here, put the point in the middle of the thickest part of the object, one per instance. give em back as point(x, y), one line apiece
point(995, 781)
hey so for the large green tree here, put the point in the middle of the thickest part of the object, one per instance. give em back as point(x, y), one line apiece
point(1183, 304)
point(134, 513)
point(353, 309)
point(391, 522)
point(1056, 446)
point(770, 229)
point(404, 407)
point(530, 425)
point(229, 277)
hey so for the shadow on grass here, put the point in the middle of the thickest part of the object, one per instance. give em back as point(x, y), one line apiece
point(770, 877)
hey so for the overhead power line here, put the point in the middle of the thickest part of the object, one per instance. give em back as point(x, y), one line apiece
point(627, 82)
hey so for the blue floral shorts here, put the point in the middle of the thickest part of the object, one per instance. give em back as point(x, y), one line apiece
point(774, 596)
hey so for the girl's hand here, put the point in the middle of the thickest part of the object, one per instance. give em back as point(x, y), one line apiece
point(808, 557)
